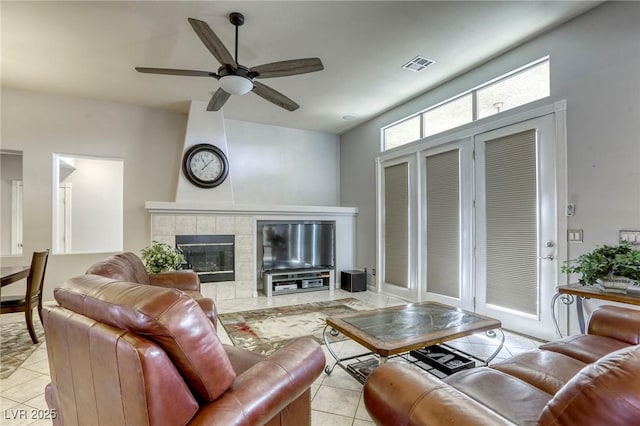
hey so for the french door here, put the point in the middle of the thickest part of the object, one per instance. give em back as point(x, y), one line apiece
point(488, 224)
point(516, 225)
point(473, 222)
point(397, 255)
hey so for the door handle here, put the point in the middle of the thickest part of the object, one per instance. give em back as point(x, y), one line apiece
point(548, 257)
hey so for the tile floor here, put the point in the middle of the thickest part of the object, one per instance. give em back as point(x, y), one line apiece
point(337, 399)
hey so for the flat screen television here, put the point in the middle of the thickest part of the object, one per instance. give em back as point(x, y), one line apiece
point(297, 245)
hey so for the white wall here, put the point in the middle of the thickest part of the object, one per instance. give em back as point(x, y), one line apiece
point(595, 66)
point(283, 166)
point(96, 205)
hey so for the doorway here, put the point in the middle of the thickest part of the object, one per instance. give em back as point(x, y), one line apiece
point(516, 259)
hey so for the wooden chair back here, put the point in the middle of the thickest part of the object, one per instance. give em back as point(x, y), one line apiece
point(35, 280)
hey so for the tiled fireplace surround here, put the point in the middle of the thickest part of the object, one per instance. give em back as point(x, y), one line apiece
point(171, 219)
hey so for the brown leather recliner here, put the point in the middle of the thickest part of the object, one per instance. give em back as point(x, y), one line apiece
point(123, 353)
point(590, 379)
point(127, 266)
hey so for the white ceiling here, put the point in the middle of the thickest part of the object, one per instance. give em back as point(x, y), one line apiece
point(90, 48)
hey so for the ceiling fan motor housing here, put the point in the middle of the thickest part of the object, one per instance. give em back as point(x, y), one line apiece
point(236, 18)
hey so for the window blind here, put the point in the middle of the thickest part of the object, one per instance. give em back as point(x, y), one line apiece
point(511, 247)
point(396, 224)
point(443, 223)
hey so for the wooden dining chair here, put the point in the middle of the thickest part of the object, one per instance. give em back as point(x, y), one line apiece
point(33, 295)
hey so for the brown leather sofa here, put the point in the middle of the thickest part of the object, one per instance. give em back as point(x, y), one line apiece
point(123, 353)
point(128, 267)
point(590, 379)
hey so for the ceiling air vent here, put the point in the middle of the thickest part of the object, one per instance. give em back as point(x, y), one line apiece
point(418, 63)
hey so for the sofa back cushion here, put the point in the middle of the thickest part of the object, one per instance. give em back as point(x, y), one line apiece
point(109, 376)
point(168, 317)
point(605, 392)
point(123, 266)
point(617, 323)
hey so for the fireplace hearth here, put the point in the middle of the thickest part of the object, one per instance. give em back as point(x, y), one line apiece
point(210, 256)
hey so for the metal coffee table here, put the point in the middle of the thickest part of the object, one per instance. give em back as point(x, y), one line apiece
point(399, 329)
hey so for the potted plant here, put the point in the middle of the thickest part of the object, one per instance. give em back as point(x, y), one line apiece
point(160, 257)
point(609, 266)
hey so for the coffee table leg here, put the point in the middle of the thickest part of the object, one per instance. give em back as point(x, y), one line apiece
point(329, 368)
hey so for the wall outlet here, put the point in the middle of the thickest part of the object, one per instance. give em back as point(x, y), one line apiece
point(373, 271)
point(629, 236)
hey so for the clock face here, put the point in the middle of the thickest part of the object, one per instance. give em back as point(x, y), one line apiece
point(205, 165)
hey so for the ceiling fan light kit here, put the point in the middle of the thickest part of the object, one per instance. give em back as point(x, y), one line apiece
point(235, 84)
point(236, 79)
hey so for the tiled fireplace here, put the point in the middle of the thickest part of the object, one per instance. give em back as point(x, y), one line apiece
point(165, 227)
point(169, 219)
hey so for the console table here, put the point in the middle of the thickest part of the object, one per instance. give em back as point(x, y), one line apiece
point(578, 292)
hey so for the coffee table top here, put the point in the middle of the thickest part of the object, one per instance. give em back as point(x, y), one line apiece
point(398, 329)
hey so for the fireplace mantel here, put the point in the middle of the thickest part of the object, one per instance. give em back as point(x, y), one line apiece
point(169, 219)
point(168, 207)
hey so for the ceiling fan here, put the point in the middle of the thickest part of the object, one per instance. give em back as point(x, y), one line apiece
point(236, 79)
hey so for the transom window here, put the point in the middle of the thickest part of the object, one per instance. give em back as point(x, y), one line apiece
point(518, 87)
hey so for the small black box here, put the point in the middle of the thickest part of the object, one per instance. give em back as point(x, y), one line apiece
point(353, 281)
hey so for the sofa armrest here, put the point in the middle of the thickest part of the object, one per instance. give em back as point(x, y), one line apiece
point(267, 388)
point(184, 279)
point(617, 323)
point(402, 394)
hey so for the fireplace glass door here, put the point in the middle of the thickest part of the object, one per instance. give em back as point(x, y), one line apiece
point(210, 256)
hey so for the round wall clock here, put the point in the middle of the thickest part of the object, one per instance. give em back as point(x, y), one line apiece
point(205, 165)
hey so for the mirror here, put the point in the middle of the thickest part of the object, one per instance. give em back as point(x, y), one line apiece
point(11, 203)
point(88, 195)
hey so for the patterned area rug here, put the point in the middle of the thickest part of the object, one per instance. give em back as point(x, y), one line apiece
point(16, 345)
point(266, 330)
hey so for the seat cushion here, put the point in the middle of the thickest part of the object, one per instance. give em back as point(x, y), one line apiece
point(513, 398)
point(587, 348)
point(168, 317)
point(546, 370)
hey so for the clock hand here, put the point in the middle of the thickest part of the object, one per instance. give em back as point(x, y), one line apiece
point(205, 166)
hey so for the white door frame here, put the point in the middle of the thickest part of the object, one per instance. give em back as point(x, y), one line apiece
point(17, 217)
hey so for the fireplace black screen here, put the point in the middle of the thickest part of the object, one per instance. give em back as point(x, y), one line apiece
point(210, 256)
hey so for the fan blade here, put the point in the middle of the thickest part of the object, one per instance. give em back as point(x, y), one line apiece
point(213, 43)
point(217, 100)
point(291, 67)
point(274, 96)
point(171, 71)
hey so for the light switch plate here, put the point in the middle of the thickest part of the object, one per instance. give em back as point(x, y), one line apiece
point(630, 236)
point(575, 235)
